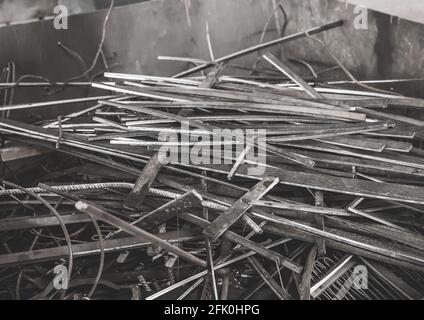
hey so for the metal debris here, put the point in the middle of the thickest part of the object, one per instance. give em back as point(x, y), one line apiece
point(339, 190)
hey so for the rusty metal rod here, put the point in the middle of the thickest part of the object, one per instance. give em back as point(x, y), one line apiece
point(262, 46)
point(137, 232)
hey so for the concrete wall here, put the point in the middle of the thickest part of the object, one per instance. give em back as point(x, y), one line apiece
point(412, 10)
point(19, 10)
point(386, 49)
point(78, 6)
point(136, 35)
point(23, 10)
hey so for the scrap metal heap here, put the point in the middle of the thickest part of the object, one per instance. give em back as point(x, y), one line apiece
point(336, 214)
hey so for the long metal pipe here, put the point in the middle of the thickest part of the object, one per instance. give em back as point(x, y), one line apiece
point(262, 46)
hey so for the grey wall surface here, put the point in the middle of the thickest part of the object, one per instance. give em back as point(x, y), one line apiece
point(78, 6)
point(18, 10)
point(386, 49)
point(410, 10)
point(15, 11)
point(138, 33)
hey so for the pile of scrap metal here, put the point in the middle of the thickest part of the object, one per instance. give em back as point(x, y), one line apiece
point(97, 214)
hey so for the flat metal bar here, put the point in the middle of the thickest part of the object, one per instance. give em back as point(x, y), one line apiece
point(392, 117)
point(393, 133)
point(356, 143)
point(287, 106)
point(152, 168)
point(298, 234)
point(54, 103)
point(398, 283)
point(212, 76)
point(285, 205)
point(280, 66)
point(167, 211)
point(279, 291)
point(407, 237)
point(216, 267)
point(137, 232)
point(91, 248)
point(311, 145)
point(230, 216)
point(145, 180)
point(319, 220)
point(11, 224)
point(278, 151)
point(250, 97)
point(328, 133)
point(368, 189)
point(259, 249)
point(305, 285)
point(378, 167)
point(417, 260)
point(11, 153)
point(293, 256)
point(44, 84)
point(291, 129)
point(332, 276)
point(140, 77)
point(374, 218)
point(239, 161)
point(138, 92)
point(392, 145)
